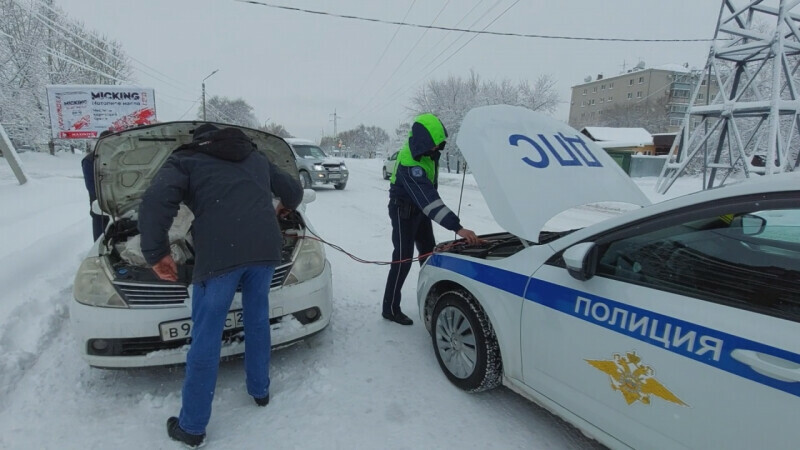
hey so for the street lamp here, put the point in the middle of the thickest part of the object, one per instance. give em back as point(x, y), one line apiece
point(204, 92)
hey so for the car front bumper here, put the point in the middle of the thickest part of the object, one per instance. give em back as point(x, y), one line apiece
point(329, 177)
point(130, 337)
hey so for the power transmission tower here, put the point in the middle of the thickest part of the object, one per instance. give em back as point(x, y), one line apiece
point(751, 125)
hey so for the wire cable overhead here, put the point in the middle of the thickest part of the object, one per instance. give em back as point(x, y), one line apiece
point(465, 30)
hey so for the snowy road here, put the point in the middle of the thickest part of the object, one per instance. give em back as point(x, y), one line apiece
point(361, 383)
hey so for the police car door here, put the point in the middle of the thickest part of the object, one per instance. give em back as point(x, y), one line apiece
point(686, 336)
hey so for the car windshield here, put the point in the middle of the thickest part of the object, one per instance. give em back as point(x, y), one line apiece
point(309, 151)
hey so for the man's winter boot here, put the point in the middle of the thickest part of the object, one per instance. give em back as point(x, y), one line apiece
point(262, 401)
point(398, 317)
point(177, 433)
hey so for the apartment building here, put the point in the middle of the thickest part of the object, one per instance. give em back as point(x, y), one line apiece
point(655, 99)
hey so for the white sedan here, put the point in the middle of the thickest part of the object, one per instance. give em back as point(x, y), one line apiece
point(672, 325)
point(122, 315)
point(388, 165)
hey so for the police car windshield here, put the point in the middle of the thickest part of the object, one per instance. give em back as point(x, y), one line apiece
point(309, 151)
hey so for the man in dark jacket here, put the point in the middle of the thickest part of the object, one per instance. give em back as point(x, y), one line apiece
point(228, 185)
point(99, 222)
point(413, 203)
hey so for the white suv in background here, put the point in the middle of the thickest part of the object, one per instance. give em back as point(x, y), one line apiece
point(316, 167)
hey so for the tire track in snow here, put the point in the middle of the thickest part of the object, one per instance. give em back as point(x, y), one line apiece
point(34, 312)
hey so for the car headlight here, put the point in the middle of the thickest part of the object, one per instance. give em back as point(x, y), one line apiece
point(318, 167)
point(309, 263)
point(93, 286)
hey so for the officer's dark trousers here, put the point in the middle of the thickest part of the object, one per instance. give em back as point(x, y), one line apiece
point(409, 227)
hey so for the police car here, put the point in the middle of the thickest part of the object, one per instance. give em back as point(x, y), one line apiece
point(673, 325)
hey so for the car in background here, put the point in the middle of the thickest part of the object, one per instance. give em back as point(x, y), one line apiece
point(122, 315)
point(315, 167)
point(388, 165)
point(674, 325)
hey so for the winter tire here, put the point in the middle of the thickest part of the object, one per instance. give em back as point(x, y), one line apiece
point(385, 174)
point(340, 186)
point(465, 343)
point(305, 180)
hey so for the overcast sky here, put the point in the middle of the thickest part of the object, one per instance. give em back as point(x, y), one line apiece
point(296, 68)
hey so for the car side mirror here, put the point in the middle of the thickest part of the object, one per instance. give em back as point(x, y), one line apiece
point(581, 260)
point(309, 195)
point(750, 224)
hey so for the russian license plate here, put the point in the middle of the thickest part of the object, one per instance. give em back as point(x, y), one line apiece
point(334, 176)
point(182, 329)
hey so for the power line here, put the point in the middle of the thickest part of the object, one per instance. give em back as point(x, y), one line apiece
point(399, 65)
point(143, 68)
point(397, 92)
point(465, 30)
point(444, 36)
point(163, 78)
point(61, 30)
point(388, 44)
point(81, 65)
point(372, 98)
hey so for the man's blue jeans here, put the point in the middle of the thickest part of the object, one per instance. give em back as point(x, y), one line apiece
point(211, 300)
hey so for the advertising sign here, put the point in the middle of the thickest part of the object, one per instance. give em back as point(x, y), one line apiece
point(84, 111)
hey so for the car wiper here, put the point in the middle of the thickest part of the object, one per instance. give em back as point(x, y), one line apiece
point(157, 139)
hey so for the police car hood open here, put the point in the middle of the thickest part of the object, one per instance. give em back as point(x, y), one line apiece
point(127, 161)
point(531, 167)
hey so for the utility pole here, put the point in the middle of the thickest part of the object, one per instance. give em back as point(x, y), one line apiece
point(204, 92)
point(7, 150)
point(335, 118)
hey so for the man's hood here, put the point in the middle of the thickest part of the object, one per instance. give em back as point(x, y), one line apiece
point(427, 132)
point(531, 167)
point(230, 144)
point(125, 162)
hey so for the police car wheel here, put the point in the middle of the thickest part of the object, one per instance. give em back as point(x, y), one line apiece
point(465, 343)
point(305, 180)
point(385, 174)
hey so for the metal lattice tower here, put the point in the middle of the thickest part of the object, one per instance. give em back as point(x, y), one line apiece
point(751, 126)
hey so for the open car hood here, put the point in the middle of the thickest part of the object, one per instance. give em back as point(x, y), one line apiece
point(530, 167)
point(125, 162)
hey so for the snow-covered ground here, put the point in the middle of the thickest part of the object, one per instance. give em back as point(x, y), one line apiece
point(362, 383)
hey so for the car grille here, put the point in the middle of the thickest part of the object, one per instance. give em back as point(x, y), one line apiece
point(281, 272)
point(164, 295)
point(152, 295)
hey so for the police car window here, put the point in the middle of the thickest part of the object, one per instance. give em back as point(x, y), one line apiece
point(749, 260)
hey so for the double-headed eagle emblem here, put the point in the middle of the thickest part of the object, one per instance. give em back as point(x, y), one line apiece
point(634, 380)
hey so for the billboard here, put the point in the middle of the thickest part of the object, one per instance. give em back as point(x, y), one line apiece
point(84, 111)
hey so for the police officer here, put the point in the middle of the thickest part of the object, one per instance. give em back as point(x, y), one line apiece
point(413, 203)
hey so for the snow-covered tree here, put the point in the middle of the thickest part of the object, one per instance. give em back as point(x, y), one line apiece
point(363, 140)
point(276, 129)
point(39, 45)
point(234, 112)
point(450, 99)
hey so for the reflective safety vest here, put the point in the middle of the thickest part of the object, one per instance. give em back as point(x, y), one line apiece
point(405, 158)
point(436, 130)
